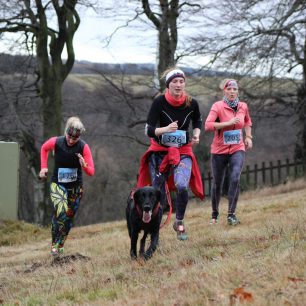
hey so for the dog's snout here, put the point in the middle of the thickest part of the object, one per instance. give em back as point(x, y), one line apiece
point(147, 207)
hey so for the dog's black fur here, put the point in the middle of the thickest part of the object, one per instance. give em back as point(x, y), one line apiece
point(147, 199)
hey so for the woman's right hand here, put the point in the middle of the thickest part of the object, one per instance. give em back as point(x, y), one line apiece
point(233, 121)
point(43, 173)
point(172, 127)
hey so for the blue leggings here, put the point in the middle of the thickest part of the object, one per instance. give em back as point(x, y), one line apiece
point(219, 162)
point(181, 173)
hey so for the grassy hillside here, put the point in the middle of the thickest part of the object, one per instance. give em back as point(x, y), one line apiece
point(260, 262)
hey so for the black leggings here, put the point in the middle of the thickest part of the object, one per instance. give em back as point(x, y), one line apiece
point(219, 163)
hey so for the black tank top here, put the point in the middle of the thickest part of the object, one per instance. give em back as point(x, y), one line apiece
point(65, 158)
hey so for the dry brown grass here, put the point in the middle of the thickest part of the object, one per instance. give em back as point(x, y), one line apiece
point(260, 262)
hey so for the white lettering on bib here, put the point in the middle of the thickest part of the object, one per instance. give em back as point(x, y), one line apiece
point(67, 175)
point(232, 137)
point(174, 139)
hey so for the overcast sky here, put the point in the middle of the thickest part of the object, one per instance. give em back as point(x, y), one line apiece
point(134, 44)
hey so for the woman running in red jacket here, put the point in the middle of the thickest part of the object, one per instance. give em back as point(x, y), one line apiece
point(170, 156)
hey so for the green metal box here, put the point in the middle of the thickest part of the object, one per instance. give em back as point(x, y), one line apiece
point(9, 180)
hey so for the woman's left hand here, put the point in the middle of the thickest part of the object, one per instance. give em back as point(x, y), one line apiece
point(195, 139)
point(82, 160)
point(248, 143)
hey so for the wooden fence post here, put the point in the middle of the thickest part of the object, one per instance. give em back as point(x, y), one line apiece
point(279, 171)
point(287, 168)
point(263, 171)
point(295, 169)
point(247, 172)
point(271, 173)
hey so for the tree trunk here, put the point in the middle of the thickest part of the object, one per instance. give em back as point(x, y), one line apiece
point(166, 57)
point(300, 149)
point(166, 25)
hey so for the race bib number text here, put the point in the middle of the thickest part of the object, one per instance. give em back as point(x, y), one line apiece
point(174, 139)
point(232, 137)
point(67, 175)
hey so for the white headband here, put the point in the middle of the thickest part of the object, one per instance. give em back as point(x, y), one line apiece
point(176, 73)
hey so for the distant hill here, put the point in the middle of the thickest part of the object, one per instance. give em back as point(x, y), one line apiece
point(17, 63)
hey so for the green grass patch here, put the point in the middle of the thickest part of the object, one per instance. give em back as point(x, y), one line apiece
point(18, 232)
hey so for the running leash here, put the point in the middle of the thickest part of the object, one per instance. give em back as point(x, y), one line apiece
point(170, 205)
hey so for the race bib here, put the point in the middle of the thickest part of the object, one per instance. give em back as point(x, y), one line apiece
point(67, 175)
point(232, 137)
point(174, 139)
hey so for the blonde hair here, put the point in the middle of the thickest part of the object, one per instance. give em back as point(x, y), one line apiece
point(163, 76)
point(75, 123)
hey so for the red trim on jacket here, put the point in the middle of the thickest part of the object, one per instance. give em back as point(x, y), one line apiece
point(172, 158)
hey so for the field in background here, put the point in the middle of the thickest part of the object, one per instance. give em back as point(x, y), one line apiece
point(117, 142)
point(260, 262)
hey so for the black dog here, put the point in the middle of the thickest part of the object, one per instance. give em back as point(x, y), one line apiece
point(143, 212)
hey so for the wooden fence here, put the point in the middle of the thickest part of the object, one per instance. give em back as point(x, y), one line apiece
point(269, 174)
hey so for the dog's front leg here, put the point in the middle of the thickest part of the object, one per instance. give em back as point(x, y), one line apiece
point(134, 238)
point(153, 245)
point(143, 243)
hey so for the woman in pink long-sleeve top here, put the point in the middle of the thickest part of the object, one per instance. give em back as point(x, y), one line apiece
point(72, 156)
point(228, 119)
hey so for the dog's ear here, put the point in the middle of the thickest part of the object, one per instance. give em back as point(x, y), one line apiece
point(136, 196)
point(158, 195)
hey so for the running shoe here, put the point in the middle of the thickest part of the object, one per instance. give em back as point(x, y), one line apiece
point(180, 229)
point(61, 249)
point(214, 218)
point(232, 220)
point(213, 221)
point(54, 249)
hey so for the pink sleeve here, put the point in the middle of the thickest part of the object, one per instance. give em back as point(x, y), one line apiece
point(211, 118)
point(45, 148)
point(90, 169)
point(247, 119)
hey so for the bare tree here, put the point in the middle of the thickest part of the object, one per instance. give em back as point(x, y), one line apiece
point(264, 43)
point(164, 16)
point(46, 29)
point(170, 19)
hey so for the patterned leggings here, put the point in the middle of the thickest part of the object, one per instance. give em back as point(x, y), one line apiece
point(65, 205)
point(181, 173)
